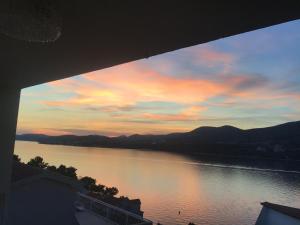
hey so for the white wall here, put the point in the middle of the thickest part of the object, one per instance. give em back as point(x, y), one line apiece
point(271, 217)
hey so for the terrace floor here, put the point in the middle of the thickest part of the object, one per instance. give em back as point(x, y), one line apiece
point(88, 218)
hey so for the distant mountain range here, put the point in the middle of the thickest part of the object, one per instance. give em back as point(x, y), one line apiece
point(277, 142)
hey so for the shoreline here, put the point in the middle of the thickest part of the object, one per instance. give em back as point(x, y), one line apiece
point(220, 161)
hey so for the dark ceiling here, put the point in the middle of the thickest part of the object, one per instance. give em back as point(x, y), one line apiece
point(98, 34)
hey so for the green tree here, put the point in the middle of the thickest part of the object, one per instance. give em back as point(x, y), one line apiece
point(38, 162)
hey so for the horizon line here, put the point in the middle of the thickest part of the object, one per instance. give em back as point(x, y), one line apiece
point(161, 133)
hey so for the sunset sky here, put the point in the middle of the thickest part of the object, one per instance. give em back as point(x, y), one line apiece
point(249, 80)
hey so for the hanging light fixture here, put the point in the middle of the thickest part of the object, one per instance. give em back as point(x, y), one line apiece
point(31, 20)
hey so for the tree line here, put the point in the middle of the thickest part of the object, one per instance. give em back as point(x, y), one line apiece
point(98, 190)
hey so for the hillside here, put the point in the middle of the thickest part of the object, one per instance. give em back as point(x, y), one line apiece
point(280, 142)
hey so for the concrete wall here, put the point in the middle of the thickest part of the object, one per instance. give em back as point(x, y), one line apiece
point(271, 217)
point(9, 104)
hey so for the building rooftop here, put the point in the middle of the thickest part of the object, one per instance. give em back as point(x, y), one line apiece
point(40, 200)
point(21, 171)
point(52, 199)
point(292, 212)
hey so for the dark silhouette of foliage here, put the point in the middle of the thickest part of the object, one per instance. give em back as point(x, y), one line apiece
point(88, 182)
point(67, 171)
point(61, 169)
point(111, 191)
point(16, 158)
point(99, 188)
point(52, 168)
point(38, 162)
point(71, 171)
point(95, 190)
point(101, 191)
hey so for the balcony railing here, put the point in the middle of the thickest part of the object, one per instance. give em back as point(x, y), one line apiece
point(112, 213)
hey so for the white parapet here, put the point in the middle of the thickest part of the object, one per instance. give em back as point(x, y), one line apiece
point(91, 209)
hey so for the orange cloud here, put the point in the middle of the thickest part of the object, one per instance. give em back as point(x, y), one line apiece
point(129, 83)
point(189, 114)
point(49, 131)
point(124, 86)
point(211, 57)
point(115, 93)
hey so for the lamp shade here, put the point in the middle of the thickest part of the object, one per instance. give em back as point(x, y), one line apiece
point(32, 20)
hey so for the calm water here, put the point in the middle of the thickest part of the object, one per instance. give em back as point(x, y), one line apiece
point(167, 183)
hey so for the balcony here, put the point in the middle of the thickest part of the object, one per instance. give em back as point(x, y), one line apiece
point(93, 211)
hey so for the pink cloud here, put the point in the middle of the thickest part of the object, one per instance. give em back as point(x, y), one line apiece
point(130, 83)
point(211, 57)
point(115, 88)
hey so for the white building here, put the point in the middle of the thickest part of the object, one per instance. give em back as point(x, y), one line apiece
point(273, 214)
